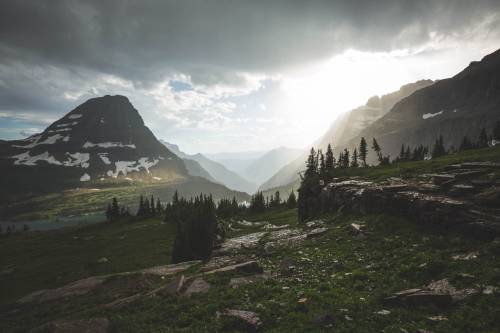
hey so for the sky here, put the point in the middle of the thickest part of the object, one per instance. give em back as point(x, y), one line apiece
point(229, 75)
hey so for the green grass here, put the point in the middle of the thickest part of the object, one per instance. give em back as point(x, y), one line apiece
point(94, 199)
point(339, 274)
point(50, 259)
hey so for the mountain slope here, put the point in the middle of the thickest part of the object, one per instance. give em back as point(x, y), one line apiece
point(344, 128)
point(264, 167)
point(102, 142)
point(216, 170)
point(454, 107)
point(193, 167)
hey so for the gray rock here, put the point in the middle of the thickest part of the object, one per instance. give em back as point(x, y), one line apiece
point(316, 232)
point(250, 318)
point(240, 281)
point(77, 288)
point(198, 286)
point(249, 267)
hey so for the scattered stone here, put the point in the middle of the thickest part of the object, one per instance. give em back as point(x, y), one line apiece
point(232, 245)
point(240, 281)
point(245, 223)
point(383, 312)
point(93, 325)
point(356, 228)
point(489, 290)
point(76, 288)
point(250, 318)
point(437, 318)
point(275, 227)
point(468, 256)
point(315, 224)
point(198, 286)
point(249, 267)
point(170, 269)
point(103, 260)
point(286, 265)
point(316, 232)
point(302, 300)
point(440, 293)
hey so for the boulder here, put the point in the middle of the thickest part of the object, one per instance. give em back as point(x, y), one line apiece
point(198, 286)
point(240, 281)
point(170, 269)
point(316, 232)
point(248, 317)
point(93, 325)
point(249, 267)
point(77, 288)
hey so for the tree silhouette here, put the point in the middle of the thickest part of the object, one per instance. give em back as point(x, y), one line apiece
point(363, 151)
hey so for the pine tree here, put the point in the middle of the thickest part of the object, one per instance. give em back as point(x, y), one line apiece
point(321, 165)
point(376, 148)
point(115, 209)
point(140, 211)
point(407, 154)
point(363, 151)
point(152, 211)
point(345, 162)
point(159, 208)
point(311, 165)
point(483, 139)
point(438, 148)
point(465, 144)
point(354, 160)
point(147, 208)
point(291, 202)
point(402, 153)
point(329, 161)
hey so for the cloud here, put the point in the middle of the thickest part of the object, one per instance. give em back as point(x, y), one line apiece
point(192, 65)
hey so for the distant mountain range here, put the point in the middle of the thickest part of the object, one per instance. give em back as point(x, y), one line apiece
point(100, 142)
point(200, 165)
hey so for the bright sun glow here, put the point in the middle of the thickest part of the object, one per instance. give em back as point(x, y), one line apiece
point(346, 81)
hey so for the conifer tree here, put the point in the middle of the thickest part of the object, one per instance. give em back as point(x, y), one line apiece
point(109, 213)
point(483, 139)
point(147, 208)
point(376, 148)
point(465, 144)
point(321, 165)
point(140, 211)
point(291, 202)
point(345, 162)
point(438, 148)
point(354, 160)
point(329, 161)
point(311, 166)
point(363, 151)
point(115, 209)
point(159, 208)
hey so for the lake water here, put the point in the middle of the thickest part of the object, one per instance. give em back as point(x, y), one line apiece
point(55, 223)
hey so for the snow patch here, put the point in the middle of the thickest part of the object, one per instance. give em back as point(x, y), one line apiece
point(60, 130)
point(48, 141)
point(78, 159)
point(125, 167)
point(431, 115)
point(26, 159)
point(74, 116)
point(104, 157)
point(85, 177)
point(67, 124)
point(89, 144)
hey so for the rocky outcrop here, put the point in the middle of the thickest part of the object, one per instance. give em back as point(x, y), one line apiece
point(446, 204)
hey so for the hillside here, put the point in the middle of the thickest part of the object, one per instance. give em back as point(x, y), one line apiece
point(215, 170)
point(348, 271)
point(344, 128)
point(456, 107)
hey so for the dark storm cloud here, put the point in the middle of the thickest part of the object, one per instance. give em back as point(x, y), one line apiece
point(47, 45)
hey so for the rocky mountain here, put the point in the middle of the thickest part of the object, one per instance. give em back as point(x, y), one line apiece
point(454, 107)
point(215, 170)
point(267, 165)
point(344, 128)
point(100, 142)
